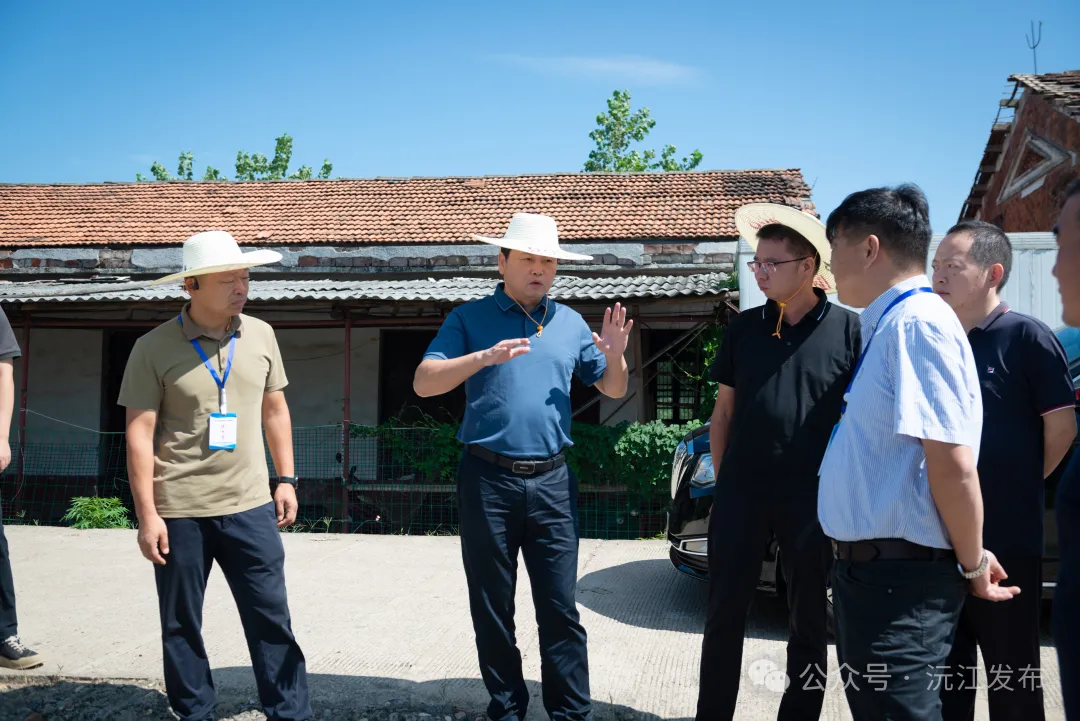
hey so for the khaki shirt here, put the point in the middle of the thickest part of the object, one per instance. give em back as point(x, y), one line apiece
point(165, 374)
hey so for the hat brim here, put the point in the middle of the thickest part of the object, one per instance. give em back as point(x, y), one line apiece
point(557, 253)
point(749, 219)
point(249, 260)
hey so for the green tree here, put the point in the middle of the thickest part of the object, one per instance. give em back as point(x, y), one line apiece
point(617, 129)
point(253, 166)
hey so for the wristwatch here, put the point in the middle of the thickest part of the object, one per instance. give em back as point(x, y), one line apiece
point(978, 571)
point(291, 480)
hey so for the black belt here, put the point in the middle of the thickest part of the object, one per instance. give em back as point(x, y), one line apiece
point(888, 549)
point(517, 465)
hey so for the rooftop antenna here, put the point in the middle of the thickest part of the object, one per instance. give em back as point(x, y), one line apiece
point(1033, 42)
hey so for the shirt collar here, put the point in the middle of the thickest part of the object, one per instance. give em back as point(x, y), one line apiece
point(996, 313)
point(816, 313)
point(506, 302)
point(193, 330)
point(871, 316)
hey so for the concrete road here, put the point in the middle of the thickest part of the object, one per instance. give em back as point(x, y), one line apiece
point(384, 618)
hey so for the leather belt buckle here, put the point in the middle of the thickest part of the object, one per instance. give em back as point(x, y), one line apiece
point(525, 468)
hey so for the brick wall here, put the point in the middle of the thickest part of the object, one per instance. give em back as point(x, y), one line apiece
point(1037, 211)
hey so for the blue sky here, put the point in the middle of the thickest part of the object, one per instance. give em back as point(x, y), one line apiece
point(856, 94)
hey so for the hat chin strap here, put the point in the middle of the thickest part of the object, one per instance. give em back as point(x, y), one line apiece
point(783, 304)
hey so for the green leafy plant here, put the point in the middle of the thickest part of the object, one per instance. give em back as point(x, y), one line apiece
point(617, 129)
point(249, 166)
point(592, 458)
point(645, 451)
point(93, 512)
point(427, 447)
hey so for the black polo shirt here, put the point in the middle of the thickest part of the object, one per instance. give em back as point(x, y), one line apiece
point(9, 347)
point(1024, 374)
point(788, 392)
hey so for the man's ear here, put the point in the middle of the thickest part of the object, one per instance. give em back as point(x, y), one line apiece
point(997, 272)
point(873, 248)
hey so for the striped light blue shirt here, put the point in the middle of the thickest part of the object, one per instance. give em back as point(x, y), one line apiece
point(918, 381)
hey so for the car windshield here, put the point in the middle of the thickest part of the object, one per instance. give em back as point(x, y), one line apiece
point(1070, 339)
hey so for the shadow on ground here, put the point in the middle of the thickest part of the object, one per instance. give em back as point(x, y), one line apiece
point(339, 698)
point(652, 594)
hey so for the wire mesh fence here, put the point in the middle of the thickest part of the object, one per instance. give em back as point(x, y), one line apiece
point(361, 479)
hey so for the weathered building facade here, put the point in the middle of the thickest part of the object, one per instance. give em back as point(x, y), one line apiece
point(369, 270)
point(1032, 154)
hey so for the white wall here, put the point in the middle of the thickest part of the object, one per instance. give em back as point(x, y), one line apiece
point(1032, 289)
point(315, 365)
point(65, 385)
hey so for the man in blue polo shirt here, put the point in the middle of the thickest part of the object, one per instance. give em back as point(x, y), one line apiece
point(515, 351)
point(1028, 425)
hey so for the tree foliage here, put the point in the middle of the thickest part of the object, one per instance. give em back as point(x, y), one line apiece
point(617, 129)
point(249, 166)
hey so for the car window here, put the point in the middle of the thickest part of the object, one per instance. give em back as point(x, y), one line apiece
point(1070, 340)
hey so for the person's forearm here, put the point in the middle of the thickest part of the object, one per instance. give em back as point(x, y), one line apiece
point(7, 397)
point(719, 428)
point(278, 426)
point(616, 378)
point(1058, 436)
point(140, 458)
point(956, 493)
point(435, 377)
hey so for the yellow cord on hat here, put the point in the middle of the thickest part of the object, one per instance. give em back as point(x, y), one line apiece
point(783, 304)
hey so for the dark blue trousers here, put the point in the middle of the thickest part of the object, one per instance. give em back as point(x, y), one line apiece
point(9, 625)
point(1066, 613)
point(895, 623)
point(248, 548)
point(502, 513)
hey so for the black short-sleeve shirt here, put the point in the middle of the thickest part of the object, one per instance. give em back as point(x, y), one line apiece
point(9, 347)
point(788, 391)
point(1024, 374)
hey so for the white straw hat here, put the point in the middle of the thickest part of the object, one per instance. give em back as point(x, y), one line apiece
point(533, 234)
point(749, 219)
point(215, 251)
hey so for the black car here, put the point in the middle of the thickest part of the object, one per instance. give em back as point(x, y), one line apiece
point(692, 486)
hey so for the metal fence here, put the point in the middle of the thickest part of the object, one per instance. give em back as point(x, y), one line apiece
point(359, 480)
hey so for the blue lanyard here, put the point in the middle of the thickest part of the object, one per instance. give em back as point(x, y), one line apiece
point(862, 356)
point(206, 361)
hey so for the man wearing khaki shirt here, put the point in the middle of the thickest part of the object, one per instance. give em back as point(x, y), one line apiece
point(199, 391)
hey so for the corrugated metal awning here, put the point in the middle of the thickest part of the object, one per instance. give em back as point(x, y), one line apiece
point(452, 290)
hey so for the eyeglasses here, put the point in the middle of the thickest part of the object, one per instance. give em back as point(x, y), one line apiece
point(769, 266)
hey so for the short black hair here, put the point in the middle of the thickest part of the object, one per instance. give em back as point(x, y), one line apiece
point(899, 217)
point(795, 240)
point(989, 245)
point(506, 253)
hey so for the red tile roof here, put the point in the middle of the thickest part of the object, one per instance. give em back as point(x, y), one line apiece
point(603, 206)
point(1061, 89)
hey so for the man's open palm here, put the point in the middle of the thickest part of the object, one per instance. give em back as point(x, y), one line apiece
point(615, 334)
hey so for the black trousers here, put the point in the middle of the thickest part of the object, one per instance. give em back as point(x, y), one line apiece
point(9, 624)
point(1008, 634)
point(1067, 594)
point(502, 513)
point(248, 548)
point(895, 622)
point(739, 531)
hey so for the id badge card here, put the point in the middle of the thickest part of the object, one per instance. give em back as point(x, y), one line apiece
point(222, 431)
